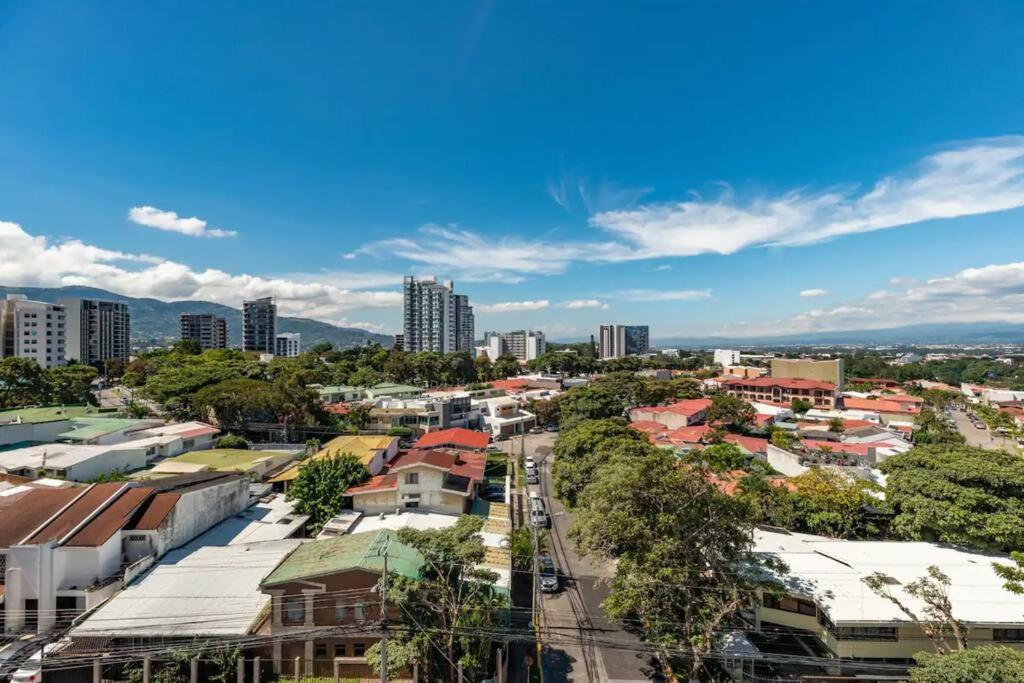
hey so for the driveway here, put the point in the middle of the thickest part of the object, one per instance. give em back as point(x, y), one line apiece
point(981, 438)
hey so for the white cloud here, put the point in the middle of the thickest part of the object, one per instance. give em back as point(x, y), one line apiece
point(811, 293)
point(584, 303)
point(152, 217)
point(992, 293)
point(973, 178)
point(982, 177)
point(512, 306)
point(663, 294)
point(664, 266)
point(28, 260)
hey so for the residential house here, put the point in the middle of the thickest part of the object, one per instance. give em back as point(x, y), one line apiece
point(679, 414)
point(257, 465)
point(28, 426)
point(391, 390)
point(886, 409)
point(505, 416)
point(436, 480)
point(340, 393)
point(425, 414)
point(375, 452)
point(457, 438)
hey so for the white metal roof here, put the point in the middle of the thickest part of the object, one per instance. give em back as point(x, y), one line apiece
point(832, 571)
point(204, 591)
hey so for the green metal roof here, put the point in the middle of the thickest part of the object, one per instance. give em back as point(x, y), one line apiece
point(338, 389)
point(46, 414)
point(91, 427)
point(354, 551)
point(395, 388)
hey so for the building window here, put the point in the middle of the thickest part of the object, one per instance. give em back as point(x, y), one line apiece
point(358, 611)
point(359, 650)
point(340, 611)
point(339, 650)
point(294, 608)
point(1008, 635)
point(888, 633)
point(412, 478)
point(791, 604)
point(320, 651)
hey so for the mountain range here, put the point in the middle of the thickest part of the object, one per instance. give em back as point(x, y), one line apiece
point(156, 321)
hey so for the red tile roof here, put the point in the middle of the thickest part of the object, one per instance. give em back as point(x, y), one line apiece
point(197, 431)
point(647, 426)
point(784, 382)
point(510, 384)
point(879, 406)
point(457, 436)
point(459, 463)
point(337, 408)
point(381, 482)
point(687, 407)
point(688, 435)
point(751, 444)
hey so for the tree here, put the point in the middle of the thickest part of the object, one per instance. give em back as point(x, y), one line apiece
point(1014, 574)
point(676, 542)
point(720, 457)
point(731, 412)
point(780, 438)
point(22, 382)
point(70, 384)
point(232, 441)
point(319, 489)
point(548, 412)
point(453, 601)
point(829, 503)
point(505, 366)
point(359, 415)
point(836, 425)
point(985, 664)
point(364, 377)
point(958, 494)
point(930, 429)
point(579, 450)
point(235, 402)
point(936, 618)
point(188, 347)
point(800, 405)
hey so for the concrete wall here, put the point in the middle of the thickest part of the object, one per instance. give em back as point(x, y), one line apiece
point(197, 511)
point(785, 462)
point(125, 460)
point(43, 431)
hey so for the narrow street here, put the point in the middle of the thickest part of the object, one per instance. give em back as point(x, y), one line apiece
point(580, 643)
point(981, 438)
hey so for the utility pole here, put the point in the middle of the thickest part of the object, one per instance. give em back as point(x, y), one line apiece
point(384, 620)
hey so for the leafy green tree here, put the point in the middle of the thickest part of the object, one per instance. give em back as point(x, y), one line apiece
point(958, 494)
point(1013, 574)
point(720, 457)
point(232, 441)
point(780, 438)
point(364, 377)
point(22, 382)
point(505, 366)
point(931, 430)
point(800, 405)
point(359, 415)
point(836, 425)
point(676, 542)
point(235, 402)
point(686, 388)
point(731, 412)
point(319, 489)
point(189, 347)
point(579, 450)
point(484, 371)
point(935, 619)
point(453, 601)
point(70, 383)
point(548, 412)
point(984, 664)
point(321, 348)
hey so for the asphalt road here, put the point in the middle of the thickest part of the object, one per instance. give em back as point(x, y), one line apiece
point(981, 438)
point(581, 643)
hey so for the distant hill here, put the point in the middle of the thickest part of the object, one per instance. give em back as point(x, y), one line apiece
point(156, 321)
point(932, 333)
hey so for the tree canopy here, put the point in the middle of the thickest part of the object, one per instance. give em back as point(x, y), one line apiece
point(581, 449)
point(24, 383)
point(958, 494)
point(319, 489)
point(984, 664)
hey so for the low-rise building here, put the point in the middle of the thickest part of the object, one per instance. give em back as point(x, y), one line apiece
point(827, 596)
point(392, 390)
point(373, 451)
point(505, 416)
point(679, 414)
point(340, 393)
point(256, 465)
point(39, 425)
point(782, 390)
point(457, 438)
point(435, 480)
point(424, 414)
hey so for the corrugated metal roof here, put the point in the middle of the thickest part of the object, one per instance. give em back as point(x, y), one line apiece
point(22, 512)
point(355, 551)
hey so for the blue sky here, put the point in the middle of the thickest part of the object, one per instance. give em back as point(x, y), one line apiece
point(694, 168)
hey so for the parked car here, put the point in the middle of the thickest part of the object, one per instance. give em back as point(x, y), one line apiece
point(548, 575)
point(529, 461)
point(501, 437)
point(537, 430)
point(538, 512)
point(494, 493)
point(551, 428)
point(30, 672)
point(532, 477)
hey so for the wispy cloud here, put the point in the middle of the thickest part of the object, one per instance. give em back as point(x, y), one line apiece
point(512, 306)
point(583, 303)
point(969, 179)
point(29, 260)
point(812, 293)
point(981, 177)
point(152, 217)
point(992, 293)
point(663, 294)
point(663, 267)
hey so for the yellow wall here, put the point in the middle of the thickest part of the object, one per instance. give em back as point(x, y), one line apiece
point(805, 368)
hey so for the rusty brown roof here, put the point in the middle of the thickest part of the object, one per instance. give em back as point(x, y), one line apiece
point(112, 519)
point(95, 496)
point(22, 513)
point(154, 511)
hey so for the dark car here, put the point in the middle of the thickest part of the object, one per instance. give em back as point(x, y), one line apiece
point(494, 493)
point(548, 575)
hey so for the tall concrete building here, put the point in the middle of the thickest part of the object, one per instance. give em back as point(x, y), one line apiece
point(259, 325)
point(206, 329)
point(524, 345)
point(97, 331)
point(287, 344)
point(619, 341)
point(33, 330)
point(434, 318)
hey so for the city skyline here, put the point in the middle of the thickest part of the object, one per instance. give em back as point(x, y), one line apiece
point(710, 183)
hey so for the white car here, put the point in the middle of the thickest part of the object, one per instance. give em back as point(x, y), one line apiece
point(530, 462)
point(30, 672)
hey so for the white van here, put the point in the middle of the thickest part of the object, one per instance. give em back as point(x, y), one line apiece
point(538, 512)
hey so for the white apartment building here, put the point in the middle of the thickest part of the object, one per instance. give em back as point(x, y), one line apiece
point(287, 344)
point(97, 330)
point(524, 345)
point(32, 329)
point(434, 318)
point(727, 357)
